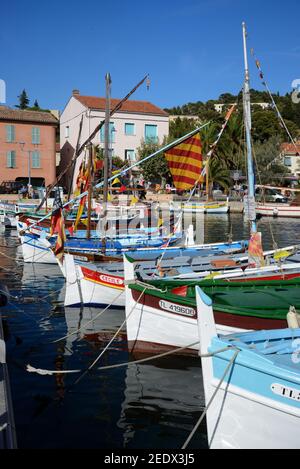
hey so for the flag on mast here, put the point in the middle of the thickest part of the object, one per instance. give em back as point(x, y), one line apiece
point(58, 225)
point(185, 162)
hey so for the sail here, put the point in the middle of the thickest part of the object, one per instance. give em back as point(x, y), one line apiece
point(185, 162)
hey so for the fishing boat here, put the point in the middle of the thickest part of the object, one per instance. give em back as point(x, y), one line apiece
point(202, 207)
point(162, 314)
point(100, 284)
point(251, 383)
point(277, 210)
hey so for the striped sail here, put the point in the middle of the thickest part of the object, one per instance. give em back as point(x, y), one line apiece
point(185, 162)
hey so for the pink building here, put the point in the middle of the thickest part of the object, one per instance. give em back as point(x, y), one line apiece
point(27, 146)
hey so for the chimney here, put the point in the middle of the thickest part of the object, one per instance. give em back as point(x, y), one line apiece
point(75, 92)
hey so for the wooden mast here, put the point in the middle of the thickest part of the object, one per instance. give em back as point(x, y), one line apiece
point(90, 190)
point(106, 155)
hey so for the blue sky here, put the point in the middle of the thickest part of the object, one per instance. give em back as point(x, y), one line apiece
point(192, 49)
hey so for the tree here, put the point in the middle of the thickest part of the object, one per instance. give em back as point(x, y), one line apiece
point(155, 168)
point(268, 165)
point(23, 100)
point(36, 105)
point(181, 126)
point(217, 174)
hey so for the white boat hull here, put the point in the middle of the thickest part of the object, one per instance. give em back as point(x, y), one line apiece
point(151, 329)
point(36, 251)
point(264, 424)
point(278, 210)
point(82, 288)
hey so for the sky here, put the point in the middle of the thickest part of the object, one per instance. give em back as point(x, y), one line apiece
point(192, 49)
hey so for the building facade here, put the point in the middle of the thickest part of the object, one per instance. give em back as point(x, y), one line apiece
point(135, 122)
point(27, 146)
point(220, 106)
point(290, 155)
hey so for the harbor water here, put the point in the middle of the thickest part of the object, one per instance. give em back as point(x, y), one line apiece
point(151, 405)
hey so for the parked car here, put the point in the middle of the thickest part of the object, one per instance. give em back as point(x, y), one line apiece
point(270, 195)
point(10, 187)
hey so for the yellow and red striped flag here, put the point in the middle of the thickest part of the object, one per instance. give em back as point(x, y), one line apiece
point(58, 226)
point(82, 186)
point(185, 162)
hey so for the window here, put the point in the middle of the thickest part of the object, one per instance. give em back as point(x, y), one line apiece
point(129, 129)
point(67, 131)
point(36, 159)
point(11, 159)
point(112, 132)
point(130, 155)
point(287, 161)
point(10, 133)
point(36, 138)
point(151, 133)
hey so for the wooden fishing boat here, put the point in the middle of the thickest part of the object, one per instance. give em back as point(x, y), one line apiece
point(278, 210)
point(203, 207)
point(257, 376)
point(162, 314)
point(104, 284)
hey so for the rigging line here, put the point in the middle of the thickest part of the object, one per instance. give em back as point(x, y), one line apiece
point(89, 322)
point(72, 118)
point(109, 343)
point(275, 245)
point(265, 84)
point(212, 398)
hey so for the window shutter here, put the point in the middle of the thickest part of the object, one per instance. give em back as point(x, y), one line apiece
point(10, 133)
point(36, 161)
point(11, 159)
point(35, 135)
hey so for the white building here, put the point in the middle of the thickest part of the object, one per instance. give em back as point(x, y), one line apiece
point(135, 122)
point(219, 106)
point(290, 155)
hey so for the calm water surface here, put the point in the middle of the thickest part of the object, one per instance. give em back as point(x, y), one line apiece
point(152, 406)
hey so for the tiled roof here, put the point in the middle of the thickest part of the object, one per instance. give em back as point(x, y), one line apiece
point(135, 107)
point(289, 148)
point(8, 114)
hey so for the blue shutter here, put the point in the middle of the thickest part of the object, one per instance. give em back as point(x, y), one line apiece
point(36, 135)
point(150, 133)
point(10, 133)
point(11, 159)
point(36, 163)
point(129, 128)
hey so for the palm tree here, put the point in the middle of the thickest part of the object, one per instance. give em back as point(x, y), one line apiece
point(217, 173)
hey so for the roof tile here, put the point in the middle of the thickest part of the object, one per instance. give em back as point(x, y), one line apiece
point(136, 107)
point(8, 114)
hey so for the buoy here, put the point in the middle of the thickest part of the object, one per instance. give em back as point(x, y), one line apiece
point(293, 318)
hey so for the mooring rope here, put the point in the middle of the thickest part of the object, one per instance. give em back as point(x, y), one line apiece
point(45, 372)
point(214, 394)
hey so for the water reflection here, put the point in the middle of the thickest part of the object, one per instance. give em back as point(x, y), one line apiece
point(162, 403)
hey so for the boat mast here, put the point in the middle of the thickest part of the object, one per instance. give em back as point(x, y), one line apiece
point(106, 139)
point(106, 155)
point(247, 121)
point(90, 190)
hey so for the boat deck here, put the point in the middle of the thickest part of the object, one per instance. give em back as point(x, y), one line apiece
point(278, 349)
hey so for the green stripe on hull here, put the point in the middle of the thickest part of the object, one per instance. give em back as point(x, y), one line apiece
point(270, 300)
